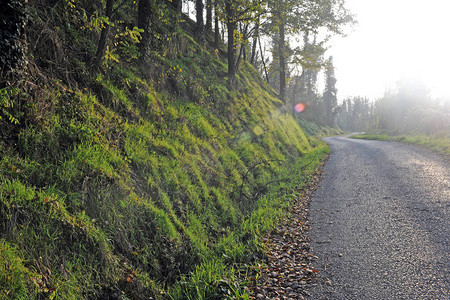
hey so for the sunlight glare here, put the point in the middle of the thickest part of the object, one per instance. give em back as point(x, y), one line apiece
point(394, 40)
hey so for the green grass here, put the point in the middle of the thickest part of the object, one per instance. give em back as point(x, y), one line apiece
point(439, 142)
point(316, 130)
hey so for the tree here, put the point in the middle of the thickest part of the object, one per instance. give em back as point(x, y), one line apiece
point(145, 18)
point(216, 24)
point(355, 114)
point(329, 94)
point(293, 17)
point(177, 5)
point(101, 46)
point(410, 109)
point(209, 7)
point(199, 16)
point(236, 11)
point(231, 22)
point(281, 52)
point(254, 42)
point(306, 63)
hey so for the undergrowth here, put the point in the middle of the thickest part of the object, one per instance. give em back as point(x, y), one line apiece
point(143, 181)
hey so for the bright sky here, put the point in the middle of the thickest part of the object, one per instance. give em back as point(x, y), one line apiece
point(394, 39)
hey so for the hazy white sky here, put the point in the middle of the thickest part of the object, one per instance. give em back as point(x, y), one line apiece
point(394, 39)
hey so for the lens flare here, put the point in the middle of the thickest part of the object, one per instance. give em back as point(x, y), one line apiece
point(258, 130)
point(299, 107)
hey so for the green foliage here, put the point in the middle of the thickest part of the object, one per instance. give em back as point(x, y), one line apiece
point(125, 46)
point(7, 104)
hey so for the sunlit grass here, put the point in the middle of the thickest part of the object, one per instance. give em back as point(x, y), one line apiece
point(439, 142)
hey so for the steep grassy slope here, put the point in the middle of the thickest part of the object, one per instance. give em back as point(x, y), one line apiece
point(144, 182)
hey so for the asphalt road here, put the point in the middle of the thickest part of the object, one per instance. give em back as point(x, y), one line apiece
point(380, 223)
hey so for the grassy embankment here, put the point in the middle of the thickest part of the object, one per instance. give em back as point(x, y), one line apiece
point(139, 185)
point(436, 142)
point(316, 130)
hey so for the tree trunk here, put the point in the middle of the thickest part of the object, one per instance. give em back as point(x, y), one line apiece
point(282, 63)
point(145, 13)
point(262, 59)
point(101, 46)
point(199, 16)
point(216, 25)
point(240, 56)
point(253, 54)
point(242, 52)
point(177, 5)
point(255, 41)
point(231, 53)
point(231, 27)
point(244, 44)
point(295, 88)
point(208, 15)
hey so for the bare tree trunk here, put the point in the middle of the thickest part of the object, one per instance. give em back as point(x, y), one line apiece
point(144, 22)
point(262, 59)
point(208, 15)
point(253, 54)
point(231, 27)
point(282, 63)
point(298, 79)
point(199, 15)
point(101, 46)
point(231, 53)
point(255, 41)
point(216, 25)
point(242, 53)
point(244, 45)
point(177, 5)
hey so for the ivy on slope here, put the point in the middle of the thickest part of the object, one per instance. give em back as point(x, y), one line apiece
point(140, 187)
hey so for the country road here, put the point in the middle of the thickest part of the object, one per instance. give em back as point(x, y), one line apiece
point(380, 223)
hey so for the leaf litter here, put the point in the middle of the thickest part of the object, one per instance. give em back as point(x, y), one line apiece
point(289, 260)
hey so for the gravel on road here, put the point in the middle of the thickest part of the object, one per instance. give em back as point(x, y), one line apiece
point(380, 223)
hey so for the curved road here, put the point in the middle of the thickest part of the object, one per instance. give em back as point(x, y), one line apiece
point(380, 223)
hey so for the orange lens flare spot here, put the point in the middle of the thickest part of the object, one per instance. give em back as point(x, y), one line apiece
point(299, 107)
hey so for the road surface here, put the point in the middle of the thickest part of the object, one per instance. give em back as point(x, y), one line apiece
point(380, 223)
